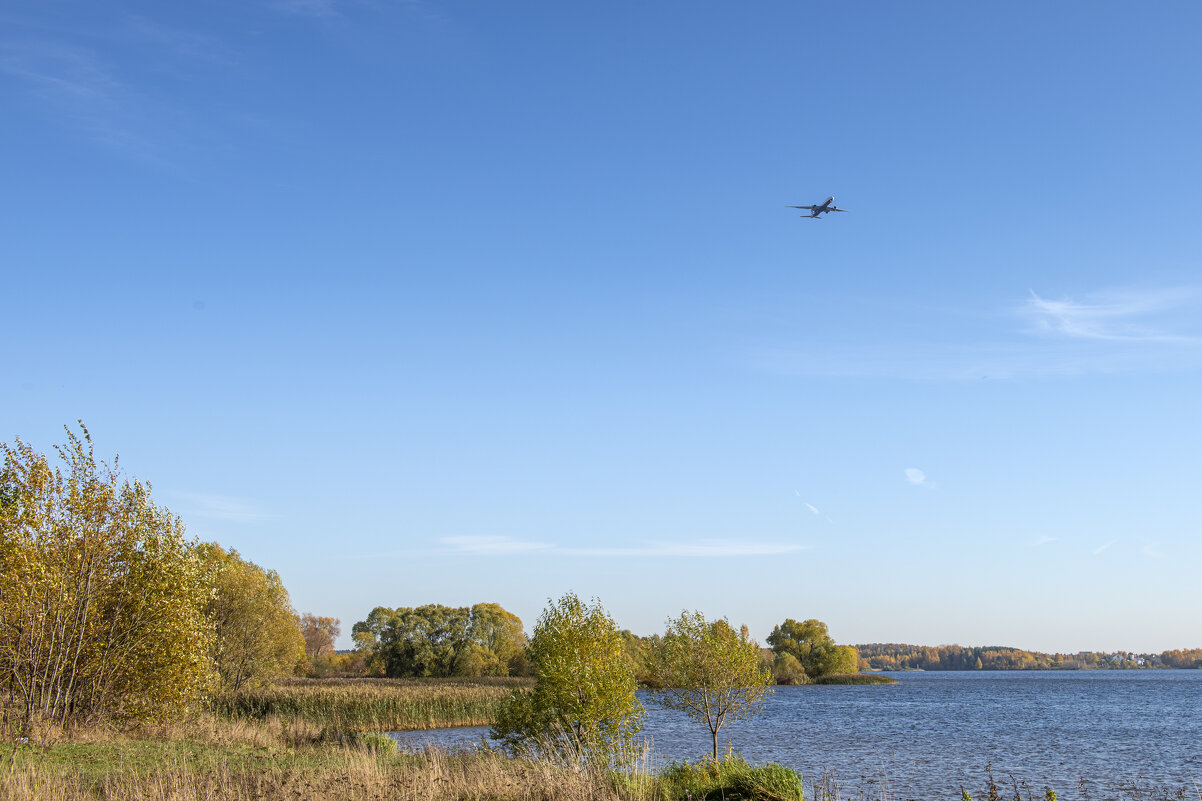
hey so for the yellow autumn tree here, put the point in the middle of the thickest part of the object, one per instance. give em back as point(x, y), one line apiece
point(319, 634)
point(101, 595)
point(258, 633)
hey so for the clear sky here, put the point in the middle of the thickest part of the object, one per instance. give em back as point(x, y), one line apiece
point(467, 301)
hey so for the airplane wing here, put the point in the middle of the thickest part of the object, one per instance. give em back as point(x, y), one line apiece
point(836, 209)
point(809, 208)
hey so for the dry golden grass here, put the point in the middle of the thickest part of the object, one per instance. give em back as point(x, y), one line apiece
point(373, 704)
point(301, 756)
point(347, 774)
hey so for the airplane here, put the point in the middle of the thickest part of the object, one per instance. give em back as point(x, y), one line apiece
point(827, 205)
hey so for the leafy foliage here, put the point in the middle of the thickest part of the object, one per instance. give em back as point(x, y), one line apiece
point(258, 635)
point(709, 671)
point(320, 634)
point(101, 596)
point(583, 707)
point(439, 641)
point(731, 778)
point(812, 646)
point(788, 670)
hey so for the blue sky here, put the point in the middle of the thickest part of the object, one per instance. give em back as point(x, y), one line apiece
point(454, 302)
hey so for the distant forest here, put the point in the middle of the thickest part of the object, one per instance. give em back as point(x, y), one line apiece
point(893, 656)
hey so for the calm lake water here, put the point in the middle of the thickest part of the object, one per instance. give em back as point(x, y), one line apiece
point(1089, 735)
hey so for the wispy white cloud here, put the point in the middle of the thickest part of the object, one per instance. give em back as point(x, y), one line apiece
point(214, 507)
point(918, 478)
point(1152, 552)
point(1101, 549)
point(1126, 316)
point(307, 8)
point(498, 546)
point(85, 77)
point(59, 70)
point(812, 508)
point(347, 8)
point(486, 545)
point(1108, 331)
point(81, 86)
point(1044, 540)
point(704, 548)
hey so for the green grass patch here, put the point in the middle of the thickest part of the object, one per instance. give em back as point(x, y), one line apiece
point(855, 678)
point(732, 779)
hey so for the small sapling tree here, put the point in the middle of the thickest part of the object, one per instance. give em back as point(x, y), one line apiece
point(583, 707)
point(710, 672)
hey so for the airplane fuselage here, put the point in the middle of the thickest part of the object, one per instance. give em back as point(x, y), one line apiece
point(825, 207)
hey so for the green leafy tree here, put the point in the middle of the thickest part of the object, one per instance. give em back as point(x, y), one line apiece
point(258, 635)
point(497, 641)
point(637, 650)
point(710, 672)
point(583, 707)
point(436, 641)
point(812, 646)
point(418, 642)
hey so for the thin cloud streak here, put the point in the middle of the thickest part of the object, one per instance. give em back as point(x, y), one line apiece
point(502, 546)
point(1103, 548)
point(306, 8)
point(1116, 331)
point(486, 545)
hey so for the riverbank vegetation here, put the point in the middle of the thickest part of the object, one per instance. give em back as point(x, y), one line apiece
point(855, 678)
point(107, 610)
point(276, 759)
point(582, 709)
point(354, 705)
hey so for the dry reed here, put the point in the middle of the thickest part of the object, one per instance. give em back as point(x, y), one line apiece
point(372, 704)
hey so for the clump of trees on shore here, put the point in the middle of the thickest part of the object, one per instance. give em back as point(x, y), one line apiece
point(441, 641)
point(436, 641)
point(583, 708)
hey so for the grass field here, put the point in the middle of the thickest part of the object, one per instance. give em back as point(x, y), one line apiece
point(855, 678)
point(275, 758)
point(270, 759)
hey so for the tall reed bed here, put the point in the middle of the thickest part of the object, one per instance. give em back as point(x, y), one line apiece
point(347, 705)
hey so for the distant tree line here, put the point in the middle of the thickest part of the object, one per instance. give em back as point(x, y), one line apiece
point(893, 656)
